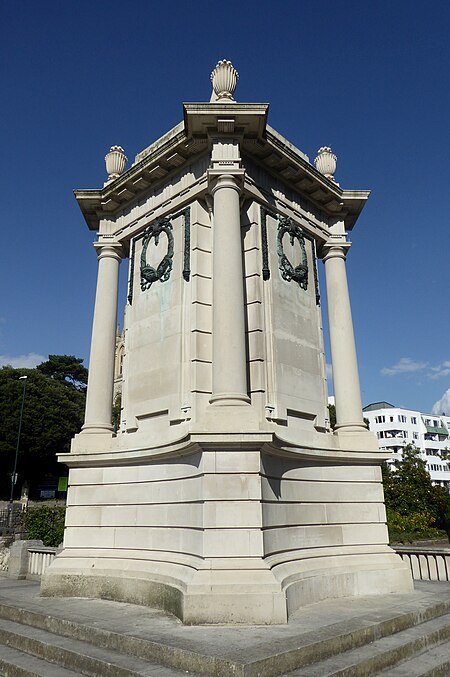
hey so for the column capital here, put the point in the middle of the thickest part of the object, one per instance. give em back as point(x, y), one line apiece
point(335, 248)
point(222, 177)
point(107, 249)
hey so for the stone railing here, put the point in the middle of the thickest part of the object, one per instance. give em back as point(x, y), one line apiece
point(39, 558)
point(29, 559)
point(427, 564)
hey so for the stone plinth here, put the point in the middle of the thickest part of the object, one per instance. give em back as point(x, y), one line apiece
point(238, 534)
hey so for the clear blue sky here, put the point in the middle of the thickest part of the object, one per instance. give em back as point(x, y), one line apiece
point(370, 78)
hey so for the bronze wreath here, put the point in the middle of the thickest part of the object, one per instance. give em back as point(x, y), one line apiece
point(162, 271)
point(298, 273)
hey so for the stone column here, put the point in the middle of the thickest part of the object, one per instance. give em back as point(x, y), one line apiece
point(349, 417)
point(101, 364)
point(229, 369)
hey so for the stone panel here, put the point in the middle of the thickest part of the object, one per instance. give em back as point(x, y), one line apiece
point(291, 490)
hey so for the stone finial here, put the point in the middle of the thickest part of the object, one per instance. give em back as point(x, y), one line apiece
point(115, 162)
point(325, 162)
point(224, 78)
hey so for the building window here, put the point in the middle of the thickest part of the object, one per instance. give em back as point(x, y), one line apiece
point(416, 436)
point(402, 419)
point(413, 420)
point(379, 419)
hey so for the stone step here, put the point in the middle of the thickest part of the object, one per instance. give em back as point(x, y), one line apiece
point(164, 656)
point(75, 655)
point(14, 663)
point(384, 655)
point(329, 630)
point(434, 663)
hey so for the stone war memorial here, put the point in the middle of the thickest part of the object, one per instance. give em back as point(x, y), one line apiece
point(224, 496)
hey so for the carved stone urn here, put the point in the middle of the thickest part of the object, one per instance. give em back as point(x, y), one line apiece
point(224, 78)
point(325, 162)
point(115, 162)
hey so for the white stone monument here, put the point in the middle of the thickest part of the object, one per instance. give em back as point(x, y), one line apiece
point(224, 496)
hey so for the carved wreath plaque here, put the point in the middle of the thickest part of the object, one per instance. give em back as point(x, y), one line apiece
point(298, 273)
point(162, 271)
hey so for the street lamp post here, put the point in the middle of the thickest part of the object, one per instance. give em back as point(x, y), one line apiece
point(13, 476)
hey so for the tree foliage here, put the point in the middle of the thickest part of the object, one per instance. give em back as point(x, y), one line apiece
point(45, 523)
point(332, 415)
point(408, 487)
point(116, 411)
point(410, 496)
point(67, 369)
point(52, 415)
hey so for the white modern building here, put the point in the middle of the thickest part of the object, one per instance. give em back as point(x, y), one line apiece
point(397, 427)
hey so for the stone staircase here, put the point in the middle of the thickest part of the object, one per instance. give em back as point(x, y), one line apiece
point(398, 635)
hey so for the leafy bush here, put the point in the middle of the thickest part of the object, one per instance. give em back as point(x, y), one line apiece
point(415, 526)
point(45, 524)
point(416, 509)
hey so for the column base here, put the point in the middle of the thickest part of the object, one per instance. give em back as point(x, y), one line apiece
point(229, 399)
point(351, 427)
point(91, 440)
point(96, 428)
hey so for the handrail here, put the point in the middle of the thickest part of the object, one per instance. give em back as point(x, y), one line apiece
point(426, 564)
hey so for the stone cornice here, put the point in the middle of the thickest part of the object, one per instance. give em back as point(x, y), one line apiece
point(284, 161)
point(355, 447)
point(203, 121)
point(157, 163)
point(240, 119)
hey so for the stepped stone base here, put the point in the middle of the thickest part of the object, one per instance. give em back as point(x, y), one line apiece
point(398, 635)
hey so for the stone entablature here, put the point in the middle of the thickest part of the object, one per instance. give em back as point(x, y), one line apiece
point(187, 140)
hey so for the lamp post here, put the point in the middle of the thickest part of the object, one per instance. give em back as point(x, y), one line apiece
point(13, 476)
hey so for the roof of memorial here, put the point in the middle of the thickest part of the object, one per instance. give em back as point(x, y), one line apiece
point(259, 141)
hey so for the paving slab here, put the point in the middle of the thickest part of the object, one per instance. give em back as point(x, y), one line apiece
point(347, 622)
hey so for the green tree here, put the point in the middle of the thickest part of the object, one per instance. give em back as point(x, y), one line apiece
point(53, 414)
point(67, 369)
point(409, 492)
point(332, 415)
point(116, 411)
